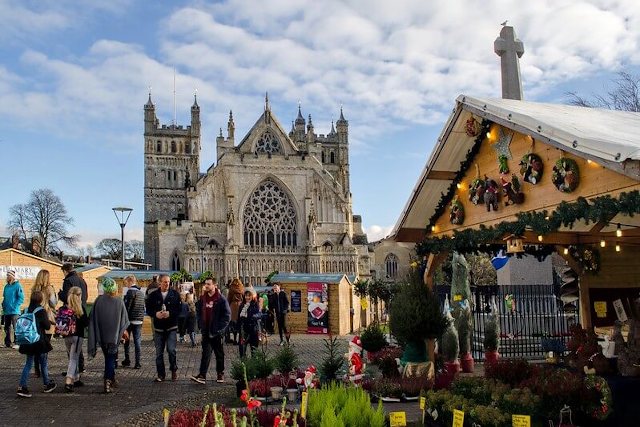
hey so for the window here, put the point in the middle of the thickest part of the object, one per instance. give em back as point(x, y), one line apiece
point(169, 175)
point(175, 175)
point(323, 157)
point(269, 218)
point(175, 262)
point(268, 143)
point(173, 147)
point(159, 146)
point(333, 157)
point(391, 266)
point(187, 147)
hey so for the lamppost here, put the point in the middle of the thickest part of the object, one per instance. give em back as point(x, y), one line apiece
point(124, 213)
point(202, 244)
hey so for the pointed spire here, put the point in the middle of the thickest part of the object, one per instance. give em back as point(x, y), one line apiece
point(220, 133)
point(341, 121)
point(231, 127)
point(195, 99)
point(293, 128)
point(300, 119)
point(149, 103)
point(341, 114)
point(333, 130)
point(266, 102)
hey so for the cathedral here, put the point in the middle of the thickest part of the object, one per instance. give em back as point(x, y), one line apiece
point(273, 200)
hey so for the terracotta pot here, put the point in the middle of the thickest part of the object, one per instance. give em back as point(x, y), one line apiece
point(466, 363)
point(491, 356)
point(452, 368)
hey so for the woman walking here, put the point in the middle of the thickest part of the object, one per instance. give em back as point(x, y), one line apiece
point(38, 349)
point(191, 319)
point(49, 302)
point(107, 326)
point(248, 318)
point(74, 313)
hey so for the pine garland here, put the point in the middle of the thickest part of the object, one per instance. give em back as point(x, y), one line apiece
point(599, 209)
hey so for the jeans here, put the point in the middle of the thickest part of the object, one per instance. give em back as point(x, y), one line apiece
point(9, 328)
point(136, 336)
point(166, 339)
point(109, 364)
point(209, 344)
point(44, 369)
point(74, 347)
point(281, 318)
point(192, 336)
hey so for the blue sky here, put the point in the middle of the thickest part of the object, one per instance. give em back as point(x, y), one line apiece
point(74, 76)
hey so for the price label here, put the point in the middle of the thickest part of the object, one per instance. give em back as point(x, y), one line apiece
point(364, 303)
point(303, 404)
point(457, 297)
point(458, 418)
point(398, 419)
point(520, 420)
point(423, 402)
point(600, 308)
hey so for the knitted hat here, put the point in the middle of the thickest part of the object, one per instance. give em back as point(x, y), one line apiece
point(11, 273)
point(109, 286)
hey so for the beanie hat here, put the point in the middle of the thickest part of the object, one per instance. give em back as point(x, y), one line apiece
point(11, 273)
point(109, 286)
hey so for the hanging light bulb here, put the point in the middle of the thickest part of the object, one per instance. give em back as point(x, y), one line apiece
point(603, 243)
point(566, 251)
point(618, 231)
point(618, 248)
point(459, 186)
point(433, 228)
point(540, 237)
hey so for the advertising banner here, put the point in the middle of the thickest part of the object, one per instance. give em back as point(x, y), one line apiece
point(296, 301)
point(318, 308)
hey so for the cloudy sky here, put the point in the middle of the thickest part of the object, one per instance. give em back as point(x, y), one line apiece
point(74, 76)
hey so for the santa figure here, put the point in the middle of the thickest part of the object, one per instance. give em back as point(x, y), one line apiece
point(354, 357)
point(309, 378)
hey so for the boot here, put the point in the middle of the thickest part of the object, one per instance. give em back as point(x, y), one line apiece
point(107, 386)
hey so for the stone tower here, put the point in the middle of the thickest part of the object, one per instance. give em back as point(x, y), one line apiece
point(171, 166)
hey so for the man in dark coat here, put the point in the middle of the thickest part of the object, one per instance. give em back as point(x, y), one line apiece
point(213, 318)
point(280, 306)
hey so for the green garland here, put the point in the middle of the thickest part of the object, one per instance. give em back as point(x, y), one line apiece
point(599, 209)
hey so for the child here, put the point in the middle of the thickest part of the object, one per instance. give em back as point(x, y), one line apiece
point(191, 319)
point(248, 316)
point(73, 341)
point(38, 349)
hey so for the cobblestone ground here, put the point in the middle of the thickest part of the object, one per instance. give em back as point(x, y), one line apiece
point(138, 400)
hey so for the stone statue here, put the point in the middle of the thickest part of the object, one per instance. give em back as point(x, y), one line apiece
point(312, 225)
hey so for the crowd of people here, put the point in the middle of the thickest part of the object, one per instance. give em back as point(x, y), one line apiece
point(240, 317)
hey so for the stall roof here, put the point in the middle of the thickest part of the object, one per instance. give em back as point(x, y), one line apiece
point(138, 274)
point(606, 136)
point(305, 277)
point(89, 267)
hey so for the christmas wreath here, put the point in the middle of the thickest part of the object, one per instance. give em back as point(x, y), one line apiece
point(472, 127)
point(588, 257)
point(531, 168)
point(456, 215)
point(600, 408)
point(566, 175)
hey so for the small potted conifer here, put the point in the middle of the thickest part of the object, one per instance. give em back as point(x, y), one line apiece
point(492, 337)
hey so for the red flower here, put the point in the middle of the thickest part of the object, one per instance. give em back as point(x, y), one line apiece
point(253, 403)
point(245, 395)
point(276, 421)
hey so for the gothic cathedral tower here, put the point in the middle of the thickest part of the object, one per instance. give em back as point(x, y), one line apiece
point(171, 166)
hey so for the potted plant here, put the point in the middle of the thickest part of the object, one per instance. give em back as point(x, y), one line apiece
point(259, 388)
point(451, 350)
point(491, 339)
point(415, 316)
point(292, 390)
point(464, 326)
point(333, 361)
point(373, 340)
point(286, 360)
point(388, 390)
point(412, 387)
point(387, 361)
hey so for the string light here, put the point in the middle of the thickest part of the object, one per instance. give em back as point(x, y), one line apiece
point(603, 243)
point(566, 251)
point(459, 186)
point(618, 231)
point(618, 249)
point(540, 237)
point(433, 228)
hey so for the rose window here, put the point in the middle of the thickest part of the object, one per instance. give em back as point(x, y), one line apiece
point(269, 218)
point(268, 143)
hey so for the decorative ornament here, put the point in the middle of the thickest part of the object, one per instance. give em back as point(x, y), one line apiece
point(473, 127)
point(515, 244)
point(588, 257)
point(456, 216)
point(354, 358)
point(600, 408)
point(476, 189)
point(566, 175)
point(491, 193)
point(502, 164)
point(502, 146)
point(511, 191)
point(531, 168)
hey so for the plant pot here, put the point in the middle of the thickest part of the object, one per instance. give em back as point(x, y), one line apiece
point(390, 399)
point(452, 368)
point(410, 398)
point(466, 363)
point(276, 393)
point(261, 398)
point(491, 356)
point(292, 395)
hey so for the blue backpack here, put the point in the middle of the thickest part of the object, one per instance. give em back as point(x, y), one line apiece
point(27, 328)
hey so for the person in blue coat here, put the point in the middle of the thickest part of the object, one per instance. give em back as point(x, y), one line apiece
point(12, 299)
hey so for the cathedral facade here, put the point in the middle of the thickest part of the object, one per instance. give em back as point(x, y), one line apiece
point(272, 201)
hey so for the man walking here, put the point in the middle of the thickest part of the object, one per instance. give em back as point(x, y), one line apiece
point(163, 306)
point(134, 302)
point(71, 279)
point(213, 317)
point(280, 307)
point(12, 299)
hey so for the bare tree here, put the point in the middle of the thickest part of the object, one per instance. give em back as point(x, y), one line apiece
point(110, 248)
point(625, 96)
point(45, 216)
point(134, 250)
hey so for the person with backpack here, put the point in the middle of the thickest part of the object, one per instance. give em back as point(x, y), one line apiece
point(49, 301)
point(12, 299)
point(134, 300)
point(71, 322)
point(31, 336)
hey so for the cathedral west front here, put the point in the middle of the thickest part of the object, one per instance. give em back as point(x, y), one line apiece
point(273, 200)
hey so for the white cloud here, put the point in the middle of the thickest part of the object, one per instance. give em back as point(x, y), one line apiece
point(377, 232)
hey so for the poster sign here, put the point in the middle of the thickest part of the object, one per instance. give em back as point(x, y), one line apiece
point(520, 420)
point(296, 301)
point(458, 418)
point(600, 308)
point(397, 419)
point(22, 271)
point(619, 308)
point(317, 308)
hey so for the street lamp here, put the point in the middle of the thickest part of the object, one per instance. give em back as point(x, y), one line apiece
point(202, 243)
point(122, 216)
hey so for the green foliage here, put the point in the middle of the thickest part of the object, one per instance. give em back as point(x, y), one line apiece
point(270, 276)
point(204, 276)
point(361, 287)
point(286, 360)
point(337, 405)
point(181, 276)
point(450, 344)
point(415, 314)
point(373, 338)
point(464, 325)
point(333, 360)
point(379, 290)
point(258, 366)
point(492, 333)
point(460, 277)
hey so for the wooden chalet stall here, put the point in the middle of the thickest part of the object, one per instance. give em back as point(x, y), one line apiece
point(583, 210)
point(91, 273)
point(27, 267)
point(341, 305)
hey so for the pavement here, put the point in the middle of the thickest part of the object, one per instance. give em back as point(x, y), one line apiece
point(138, 401)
